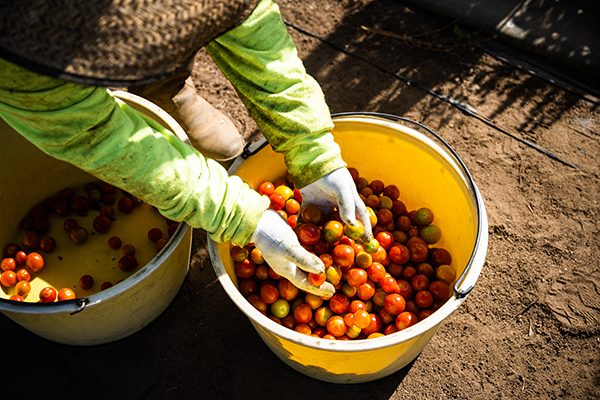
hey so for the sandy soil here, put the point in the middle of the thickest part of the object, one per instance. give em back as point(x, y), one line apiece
point(530, 328)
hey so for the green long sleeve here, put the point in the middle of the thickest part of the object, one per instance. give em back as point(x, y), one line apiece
point(260, 58)
point(87, 127)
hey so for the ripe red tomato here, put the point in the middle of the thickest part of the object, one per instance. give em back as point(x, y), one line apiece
point(245, 269)
point(34, 262)
point(409, 272)
point(389, 284)
point(258, 303)
point(391, 191)
point(47, 294)
point(317, 279)
point(385, 216)
point(16, 297)
point(419, 282)
point(23, 275)
point(31, 240)
point(20, 257)
point(287, 290)
point(269, 293)
point(303, 313)
point(376, 272)
point(374, 326)
point(441, 256)
point(418, 252)
point(399, 254)
point(129, 250)
point(47, 244)
point(377, 186)
point(309, 234)
point(277, 201)
point(266, 188)
point(424, 299)
point(8, 278)
point(440, 290)
point(22, 288)
point(405, 289)
point(339, 303)
point(394, 303)
point(336, 326)
point(385, 239)
point(366, 290)
point(343, 255)
point(405, 320)
point(356, 276)
point(114, 242)
point(238, 253)
point(66, 294)
point(125, 205)
point(86, 282)
point(128, 263)
point(8, 264)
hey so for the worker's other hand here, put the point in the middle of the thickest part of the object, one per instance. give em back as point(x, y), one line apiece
point(337, 189)
point(283, 252)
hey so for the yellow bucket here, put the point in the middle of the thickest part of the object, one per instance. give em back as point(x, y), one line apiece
point(429, 174)
point(111, 314)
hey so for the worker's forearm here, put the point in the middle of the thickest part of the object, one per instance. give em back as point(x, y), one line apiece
point(259, 57)
point(89, 128)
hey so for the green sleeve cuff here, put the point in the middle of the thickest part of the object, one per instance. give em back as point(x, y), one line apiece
point(87, 127)
point(259, 57)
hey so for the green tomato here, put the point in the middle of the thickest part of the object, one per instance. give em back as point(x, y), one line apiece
point(280, 308)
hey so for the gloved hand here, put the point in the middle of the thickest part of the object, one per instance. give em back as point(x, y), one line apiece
point(283, 252)
point(337, 189)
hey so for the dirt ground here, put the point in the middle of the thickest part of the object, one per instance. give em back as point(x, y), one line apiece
point(529, 329)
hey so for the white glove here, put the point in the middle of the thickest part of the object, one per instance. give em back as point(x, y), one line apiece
point(283, 252)
point(337, 189)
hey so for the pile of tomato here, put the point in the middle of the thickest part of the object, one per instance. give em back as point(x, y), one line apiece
point(384, 286)
point(24, 261)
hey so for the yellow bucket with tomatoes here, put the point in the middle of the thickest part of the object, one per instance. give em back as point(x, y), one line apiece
point(429, 174)
point(29, 176)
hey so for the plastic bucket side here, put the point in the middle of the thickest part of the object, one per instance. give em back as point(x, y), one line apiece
point(380, 148)
point(116, 312)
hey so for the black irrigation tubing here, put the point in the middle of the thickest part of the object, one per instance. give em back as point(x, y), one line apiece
point(467, 109)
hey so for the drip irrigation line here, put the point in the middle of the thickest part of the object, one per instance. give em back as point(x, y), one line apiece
point(465, 108)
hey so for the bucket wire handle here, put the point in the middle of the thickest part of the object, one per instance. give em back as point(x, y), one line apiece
point(81, 304)
point(459, 293)
point(256, 147)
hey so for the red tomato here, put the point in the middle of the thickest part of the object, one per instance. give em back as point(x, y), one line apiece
point(303, 329)
point(34, 262)
point(419, 282)
point(439, 290)
point(16, 297)
point(277, 202)
point(248, 287)
point(399, 254)
point(343, 255)
point(336, 326)
point(269, 293)
point(287, 290)
point(8, 264)
point(385, 316)
point(356, 305)
point(303, 313)
point(377, 186)
point(23, 275)
point(22, 288)
point(258, 303)
point(237, 253)
point(411, 306)
point(129, 250)
point(441, 257)
point(405, 289)
point(128, 263)
point(66, 294)
point(10, 250)
point(361, 319)
point(376, 272)
point(20, 257)
point(47, 295)
point(292, 206)
point(8, 278)
point(424, 299)
point(309, 234)
point(86, 282)
point(394, 304)
point(245, 269)
point(424, 314)
point(266, 188)
point(384, 216)
point(405, 320)
point(125, 205)
point(425, 269)
point(385, 239)
point(311, 215)
point(339, 303)
point(322, 315)
point(317, 279)
point(391, 191)
point(114, 242)
point(389, 284)
point(374, 326)
point(366, 290)
point(409, 272)
point(356, 277)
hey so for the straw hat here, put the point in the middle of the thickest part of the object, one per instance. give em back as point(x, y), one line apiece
point(112, 42)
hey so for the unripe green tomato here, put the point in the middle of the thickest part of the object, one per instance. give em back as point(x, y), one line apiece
point(280, 308)
point(372, 246)
point(431, 234)
point(354, 232)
